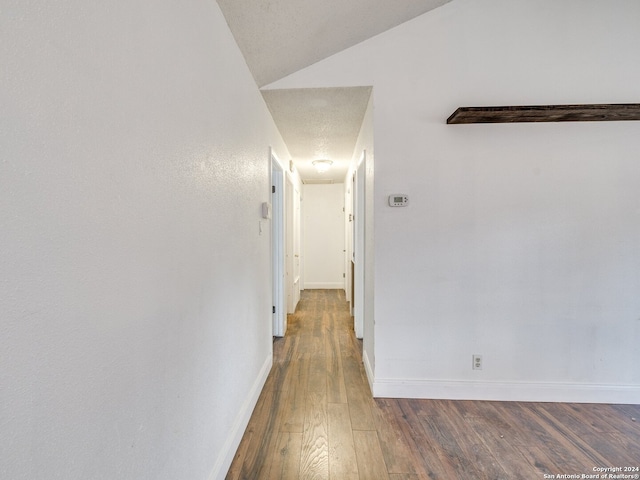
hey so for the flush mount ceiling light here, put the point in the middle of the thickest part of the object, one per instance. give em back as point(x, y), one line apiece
point(322, 165)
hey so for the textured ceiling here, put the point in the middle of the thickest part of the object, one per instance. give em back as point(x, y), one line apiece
point(280, 37)
point(319, 123)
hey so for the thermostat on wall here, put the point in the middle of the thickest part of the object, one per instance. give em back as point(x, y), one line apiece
point(398, 200)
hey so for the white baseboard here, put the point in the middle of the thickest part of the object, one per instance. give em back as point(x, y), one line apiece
point(223, 463)
point(323, 285)
point(505, 391)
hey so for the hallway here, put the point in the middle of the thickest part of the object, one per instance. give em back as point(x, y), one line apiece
point(315, 419)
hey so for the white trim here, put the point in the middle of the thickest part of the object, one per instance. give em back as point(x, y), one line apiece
point(506, 391)
point(368, 369)
point(230, 447)
point(324, 285)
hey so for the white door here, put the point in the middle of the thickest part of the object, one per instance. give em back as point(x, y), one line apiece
point(297, 255)
point(358, 248)
point(277, 248)
point(292, 245)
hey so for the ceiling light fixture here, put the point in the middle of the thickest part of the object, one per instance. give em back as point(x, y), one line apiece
point(322, 165)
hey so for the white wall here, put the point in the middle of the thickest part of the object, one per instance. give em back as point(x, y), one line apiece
point(323, 235)
point(522, 242)
point(135, 296)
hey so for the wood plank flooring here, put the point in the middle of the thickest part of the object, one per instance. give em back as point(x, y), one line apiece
point(316, 419)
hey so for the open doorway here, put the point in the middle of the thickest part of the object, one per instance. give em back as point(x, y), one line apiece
point(327, 125)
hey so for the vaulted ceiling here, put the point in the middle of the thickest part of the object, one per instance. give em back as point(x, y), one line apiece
point(279, 37)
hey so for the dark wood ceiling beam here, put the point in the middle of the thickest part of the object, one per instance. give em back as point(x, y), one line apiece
point(546, 113)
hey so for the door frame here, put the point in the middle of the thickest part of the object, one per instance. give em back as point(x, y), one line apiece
point(279, 318)
point(292, 258)
point(359, 212)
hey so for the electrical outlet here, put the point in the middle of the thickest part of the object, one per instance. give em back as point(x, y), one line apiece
point(477, 362)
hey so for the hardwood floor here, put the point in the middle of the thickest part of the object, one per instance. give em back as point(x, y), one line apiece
point(316, 419)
